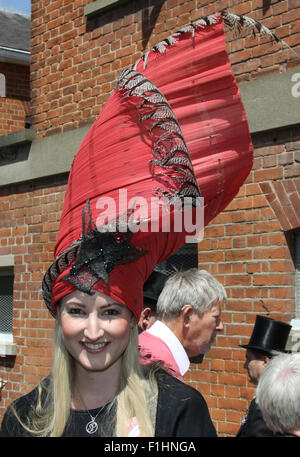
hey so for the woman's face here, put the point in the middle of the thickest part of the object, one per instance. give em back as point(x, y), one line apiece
point(95, 329)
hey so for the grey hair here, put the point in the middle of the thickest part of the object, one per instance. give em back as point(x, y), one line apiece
point(278, 393)
point(193, 287)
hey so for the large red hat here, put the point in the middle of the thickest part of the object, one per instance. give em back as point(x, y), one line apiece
point(173, 128)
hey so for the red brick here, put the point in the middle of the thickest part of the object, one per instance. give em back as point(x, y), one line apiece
point(268, 253)
point(292, 216)
point(244, 245)
point(217, 415)
point(233, 403)
point(228, 379)
point(272, 279)
point(292, 15)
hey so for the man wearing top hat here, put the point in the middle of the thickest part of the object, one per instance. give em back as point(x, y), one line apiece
point(269, 337)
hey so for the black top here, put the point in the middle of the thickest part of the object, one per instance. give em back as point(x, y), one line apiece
point(181, 412)
point(254, 424)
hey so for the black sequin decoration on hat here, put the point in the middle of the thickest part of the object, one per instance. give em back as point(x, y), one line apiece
point(100, 252)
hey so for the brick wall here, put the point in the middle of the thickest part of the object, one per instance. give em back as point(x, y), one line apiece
point(246, 249)
point(29, 222)
point(74, 65)
point(14, 107)
point(75, 61)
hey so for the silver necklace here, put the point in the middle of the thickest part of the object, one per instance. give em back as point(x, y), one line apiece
point(92, 426)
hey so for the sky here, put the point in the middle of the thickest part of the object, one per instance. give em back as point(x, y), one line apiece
point(21, 6)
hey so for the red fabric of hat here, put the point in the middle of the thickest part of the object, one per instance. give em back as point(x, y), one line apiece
point(181, 128)
point(194, 74)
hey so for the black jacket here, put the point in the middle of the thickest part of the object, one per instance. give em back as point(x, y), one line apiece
point(181, 412)
point(254, 424)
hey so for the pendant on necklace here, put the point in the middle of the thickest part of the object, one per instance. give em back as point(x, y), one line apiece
point(92, 426)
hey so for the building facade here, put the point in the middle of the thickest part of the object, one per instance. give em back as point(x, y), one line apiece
point(78, 48)
point(14, 71)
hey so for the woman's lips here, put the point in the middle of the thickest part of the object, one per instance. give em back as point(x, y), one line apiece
point(94, 348)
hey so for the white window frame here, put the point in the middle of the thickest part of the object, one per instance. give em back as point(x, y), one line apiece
point(295, 323)
point(7, 345)
point(297, 274)
point(2, 85)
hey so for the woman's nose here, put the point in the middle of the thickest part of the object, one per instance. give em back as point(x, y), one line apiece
point(93, 330)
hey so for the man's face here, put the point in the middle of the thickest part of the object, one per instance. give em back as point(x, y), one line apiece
point(255, 364)
point(202, 331)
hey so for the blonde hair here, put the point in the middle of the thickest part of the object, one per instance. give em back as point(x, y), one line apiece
point(136, 396)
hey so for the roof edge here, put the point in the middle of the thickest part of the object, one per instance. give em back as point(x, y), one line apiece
point(16, 56)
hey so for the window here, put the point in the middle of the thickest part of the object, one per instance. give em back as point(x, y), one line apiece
point(2, 85)
point(293, 241)
point(101, 6)
point(185, 258)
point(297, 273)
point(6, 301)
point(7, 347)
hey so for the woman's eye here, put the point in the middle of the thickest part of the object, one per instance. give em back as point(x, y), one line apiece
point(76, 311)
point(111, 312)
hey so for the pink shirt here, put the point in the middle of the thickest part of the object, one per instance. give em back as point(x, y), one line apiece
point(153, 349)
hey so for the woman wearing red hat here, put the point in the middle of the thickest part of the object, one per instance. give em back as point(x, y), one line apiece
point(94, 288)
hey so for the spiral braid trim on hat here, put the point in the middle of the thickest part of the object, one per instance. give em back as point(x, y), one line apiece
point(171, 163)
point(236, 22)
point(58, 266)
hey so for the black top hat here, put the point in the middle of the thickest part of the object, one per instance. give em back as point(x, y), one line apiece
point(268, 335)
point(154, 285)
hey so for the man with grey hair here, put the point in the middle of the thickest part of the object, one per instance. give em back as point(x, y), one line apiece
point(188, 319)
point(278, 394)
